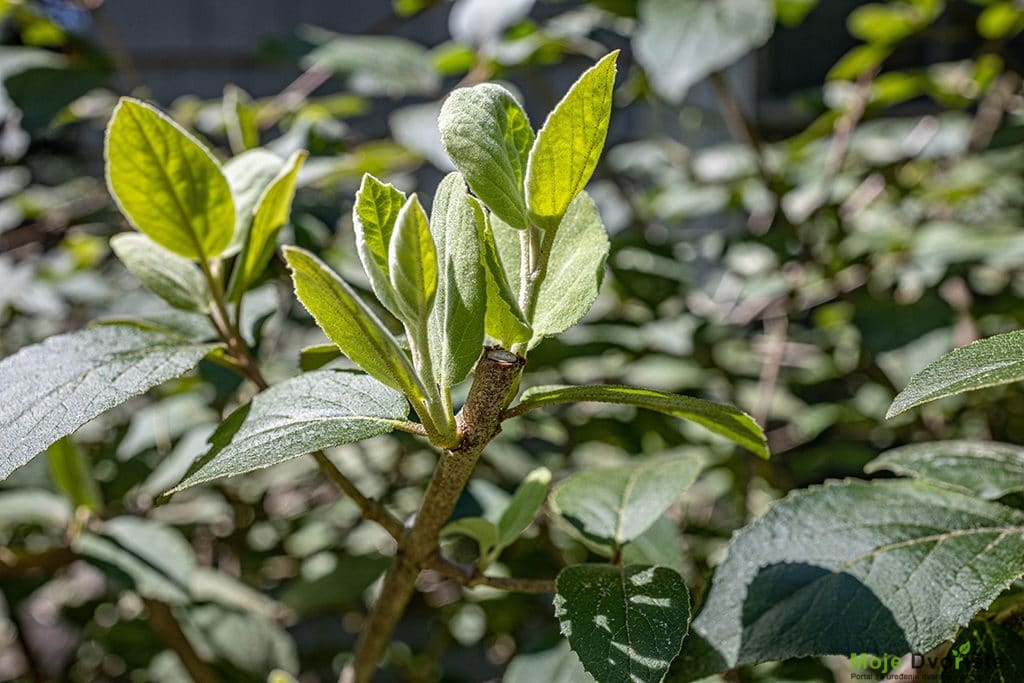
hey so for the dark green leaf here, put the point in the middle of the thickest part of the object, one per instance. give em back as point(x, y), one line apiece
point(310, 412)
point(986, 469)
point(72, 474)
point(994, 654)
point(724, 420)
point(625, 623)
point(986, 363)
point(904, 563)
point(53, 388)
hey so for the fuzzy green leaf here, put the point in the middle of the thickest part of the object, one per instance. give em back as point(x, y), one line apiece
point(986, 469)
point(176, 280)
point(680, 42)
point(905, 563)
point(986, 363)
point(568, 146)
point(610, 506)
point(723, 420)
point(271, 213)
point(249, 174)
point(373, 217)
point(412, 261)
point(167, 183)
point(349, 323)
point(504, 320)
point(54, 387)
point(488, 136)
point(310, 412)
point(625, 623)
point(456, 326)
point(523, 508)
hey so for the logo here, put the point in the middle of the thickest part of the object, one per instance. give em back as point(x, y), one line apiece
point(883, 664)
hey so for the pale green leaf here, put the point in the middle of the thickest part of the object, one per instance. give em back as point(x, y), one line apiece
point(488, 137)
point(660, 544)
point(34, 506)
point(569, 144)
point(905, 563)
point(271, 213)
point(249, 174)
point(504, 320)
point(723, 420)
point(680, 42)
point(557, 665)
point(412, 261)
point(154, 558)
point(456, 324)
point(176, 280)
point(53, 388)
point(349, 323)
point(72, 474)
point(484, 532)
point(167, 183)
point(373, 217)
point(375, 65)
point(522, 509)
point(987, 469)
point(625, 623)
point(313, 411)
point(610, 506)
point(575, 270)
point(986, 363)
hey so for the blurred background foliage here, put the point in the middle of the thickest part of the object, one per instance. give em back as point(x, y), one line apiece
point(808, 202)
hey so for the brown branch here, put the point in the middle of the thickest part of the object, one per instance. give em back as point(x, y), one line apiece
point(169, 630)
point(370, 509)
point(471, 577)
point(479, 422)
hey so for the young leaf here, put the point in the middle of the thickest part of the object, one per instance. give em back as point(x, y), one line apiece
point(72, 475)
point(904, 562)
point(310, 412)
point(523, 508)
point(567, 148)
point(456, 324)
point(412, 261)
point(483, 531)
point(658, 545)
point(271, 213)
point(986, 363)
point(373, 217)
point(176, 280)
point(723, 420)
point(986, 469)
point(488, 136)
point(249, 174)
point(679, 42)
point(556, 665)
point(504, 320)
point(153, 556)
point(53, 388)
point(625, 623)
point(349, 323)
point(316, 356)
point(610, 506)
point(575, 270)
point(167, 183)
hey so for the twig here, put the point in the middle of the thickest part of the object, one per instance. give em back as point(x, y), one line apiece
point(471, 577)
point(371, 509)
point(169, 630)
point(733, 114)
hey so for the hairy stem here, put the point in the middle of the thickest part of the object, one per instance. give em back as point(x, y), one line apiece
point(478, 423)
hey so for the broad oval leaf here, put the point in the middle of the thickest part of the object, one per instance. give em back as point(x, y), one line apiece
point(306, 413)
point(167, 183)
point(54, 387)
point(349, 323)
point(905, 563)
point(985, 363)
point(373, 218)
point(610, 506)
point(987, 469)
point(176, 280)
point(723, 420)
point(569, 144)
point(679, 42)
point(154, 557)
point(625, 623)
point(271, 213)
point(557, 665)
point(456, 326)
point(488, 136)
point(412, 260)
